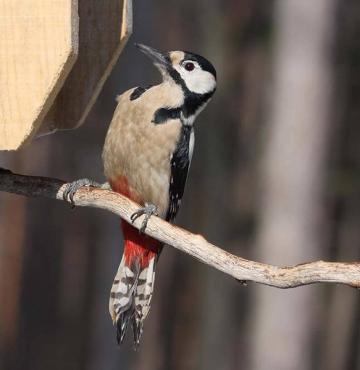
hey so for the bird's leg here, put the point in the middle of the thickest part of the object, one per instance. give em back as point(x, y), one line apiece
point(148, 211)
point(72, 187)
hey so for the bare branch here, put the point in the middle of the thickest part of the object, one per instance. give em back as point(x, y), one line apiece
point(194, 245)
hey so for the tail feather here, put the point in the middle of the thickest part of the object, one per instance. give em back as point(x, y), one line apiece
point(121, 304)
point(132, 290)
point(134, 281)
point(142, 297)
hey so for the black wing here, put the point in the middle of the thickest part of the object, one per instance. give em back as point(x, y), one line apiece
point(180, 163)
point(138, 91)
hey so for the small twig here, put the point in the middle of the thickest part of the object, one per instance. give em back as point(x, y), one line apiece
point(194, 245)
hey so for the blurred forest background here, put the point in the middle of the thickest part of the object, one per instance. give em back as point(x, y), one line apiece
point(275, 177)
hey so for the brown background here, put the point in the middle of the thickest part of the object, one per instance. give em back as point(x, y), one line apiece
point(275, 177)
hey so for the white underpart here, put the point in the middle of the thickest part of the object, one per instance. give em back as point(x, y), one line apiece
point(197, 81)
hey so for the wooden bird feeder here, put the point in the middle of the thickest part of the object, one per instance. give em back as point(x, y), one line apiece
point(54, 59)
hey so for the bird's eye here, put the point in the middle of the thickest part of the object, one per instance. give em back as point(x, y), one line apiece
point(189, 66)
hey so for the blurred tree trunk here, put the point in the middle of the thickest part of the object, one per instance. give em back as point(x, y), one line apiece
point(215, 313)
point(12, 212)
point(293, 174)
point(342, 310)
point(341, 337)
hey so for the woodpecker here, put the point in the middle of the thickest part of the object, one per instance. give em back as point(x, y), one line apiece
point(147, 155)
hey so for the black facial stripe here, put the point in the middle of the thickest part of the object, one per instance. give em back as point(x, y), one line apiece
point(203, 63)
point(180, 162)
point(192, 100)
point(191, 104)
point(175, 75)
point(164, 114)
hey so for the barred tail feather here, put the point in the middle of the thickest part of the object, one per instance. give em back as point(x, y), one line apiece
point(142, 297)
point(134, 281)
point(121, 304)
point(131, 293)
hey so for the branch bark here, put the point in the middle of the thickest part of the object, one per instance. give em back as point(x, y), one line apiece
point(192, 244)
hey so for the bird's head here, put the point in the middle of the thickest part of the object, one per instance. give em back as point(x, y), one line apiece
point(193, 72)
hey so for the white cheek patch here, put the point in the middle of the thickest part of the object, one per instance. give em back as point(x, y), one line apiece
point(197, 80)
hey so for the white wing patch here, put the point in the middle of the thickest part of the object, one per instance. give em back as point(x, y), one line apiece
point(191, 145)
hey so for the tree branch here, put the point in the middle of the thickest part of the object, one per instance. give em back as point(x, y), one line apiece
point(194, 245)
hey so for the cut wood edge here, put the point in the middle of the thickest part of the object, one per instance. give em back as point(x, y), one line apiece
point(126, 31)
point(70, 57)
point(64, 71)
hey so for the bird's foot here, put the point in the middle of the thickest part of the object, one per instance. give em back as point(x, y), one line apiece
point(72, 187)
point(148, 211)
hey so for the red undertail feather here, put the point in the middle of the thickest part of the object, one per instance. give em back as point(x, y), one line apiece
point(134, 282)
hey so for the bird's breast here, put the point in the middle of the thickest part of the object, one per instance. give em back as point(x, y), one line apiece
point(138, 150)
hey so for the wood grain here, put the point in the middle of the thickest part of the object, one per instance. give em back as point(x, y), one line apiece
point(105, 27)
point(38, 47)
point(194, 245)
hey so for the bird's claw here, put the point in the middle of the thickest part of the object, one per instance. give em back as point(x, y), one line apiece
point(148, 211)
point(72, 187)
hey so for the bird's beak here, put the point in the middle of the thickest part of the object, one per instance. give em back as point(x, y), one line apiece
point(159, 59)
